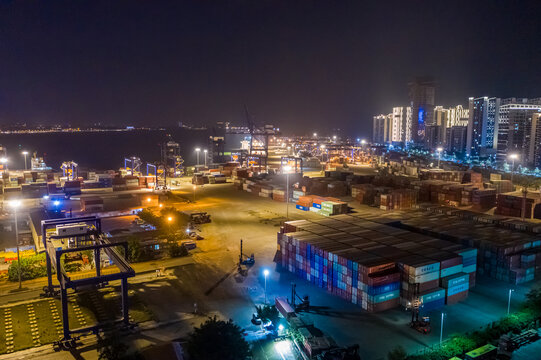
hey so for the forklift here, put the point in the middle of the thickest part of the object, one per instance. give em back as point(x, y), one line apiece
point(244, 261)
point(421, 325)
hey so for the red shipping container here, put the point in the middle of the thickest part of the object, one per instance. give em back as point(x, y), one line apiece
point(453, 299)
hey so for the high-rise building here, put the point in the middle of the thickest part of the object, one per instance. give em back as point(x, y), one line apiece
point(422, 95)
point(401, 124)
point(382, 129)
point(441, 121)
point(456, 140)
point(515, 129)
point(433, 136)
point(482, 125)
point(458, 116)
point(535, 145)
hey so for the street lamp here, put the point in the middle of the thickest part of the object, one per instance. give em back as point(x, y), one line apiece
point(266, 273)
point(439, 150)
point(287, 169)
point(4, 162)
point(513, 157)
point(15, 204)
point(194, 187)
point(315, 134)
point(197, 151)
point(205, 151)
point(25, 153)
point(363, 141)
point(170, 218)
point(441, 329)
point(322, 147)
point(509, 301)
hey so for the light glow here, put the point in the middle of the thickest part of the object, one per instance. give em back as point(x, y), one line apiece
point(15, 203)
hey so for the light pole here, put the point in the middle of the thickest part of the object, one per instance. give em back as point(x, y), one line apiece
point(205, 151)
point(25, 153)
point(322, 147)
point(287, 169)
point(197, 151)
point(513, 157)
point(509, 301)
point(4, 162)
point(441, 329)
point(15, 205)
point(266, 273)
point(194, 187)
point(439, 150)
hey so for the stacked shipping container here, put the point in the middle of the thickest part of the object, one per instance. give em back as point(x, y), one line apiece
point(373, 265)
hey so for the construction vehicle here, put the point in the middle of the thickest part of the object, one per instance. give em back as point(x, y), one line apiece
point(244, 261)
point(304, 301)
point(200, 217)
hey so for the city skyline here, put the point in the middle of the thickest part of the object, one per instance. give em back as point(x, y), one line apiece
point(296, 66)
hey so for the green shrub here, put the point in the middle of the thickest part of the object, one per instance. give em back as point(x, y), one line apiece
point(31, 268)
point(176, 250)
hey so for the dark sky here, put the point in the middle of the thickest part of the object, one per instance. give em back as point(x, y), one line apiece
point(302, 65)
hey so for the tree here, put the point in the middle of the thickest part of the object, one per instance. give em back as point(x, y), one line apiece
point(31, 268)
point(135, 251)
point(398, 353)
point(218, 340)
point(109, 347)
point(268, 313)
point(176, 250)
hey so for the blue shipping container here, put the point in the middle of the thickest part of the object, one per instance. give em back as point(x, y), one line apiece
point(384, 297)
point(376, 290)
point(434, 305)
point(457, 289)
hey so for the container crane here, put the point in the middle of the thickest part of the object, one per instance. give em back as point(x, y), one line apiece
point(70, 170)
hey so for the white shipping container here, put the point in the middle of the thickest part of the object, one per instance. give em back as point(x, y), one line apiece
point(451, 271)
point(424, 277)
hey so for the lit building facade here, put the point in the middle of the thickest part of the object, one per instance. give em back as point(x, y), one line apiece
point(401, 124)
point(515, 130)
point(482, 125)
point(382, 129)
point(422, 96)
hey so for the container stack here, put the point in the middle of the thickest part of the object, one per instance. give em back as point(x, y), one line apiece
point(278, 194)
point(398, 199)
point(510, 204)
point(484, 199)
point(373, 265)
point(502, 186)
point(497, 245)
point(326, 206)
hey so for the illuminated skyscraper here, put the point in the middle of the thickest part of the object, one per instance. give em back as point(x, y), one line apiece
point(515, 129)
point(482, 125)
point(421, 93)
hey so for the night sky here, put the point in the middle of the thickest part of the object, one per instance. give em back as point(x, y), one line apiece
point(301, 65)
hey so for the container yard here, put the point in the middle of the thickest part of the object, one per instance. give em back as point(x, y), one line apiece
point(374, 265)
point(507, 250)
